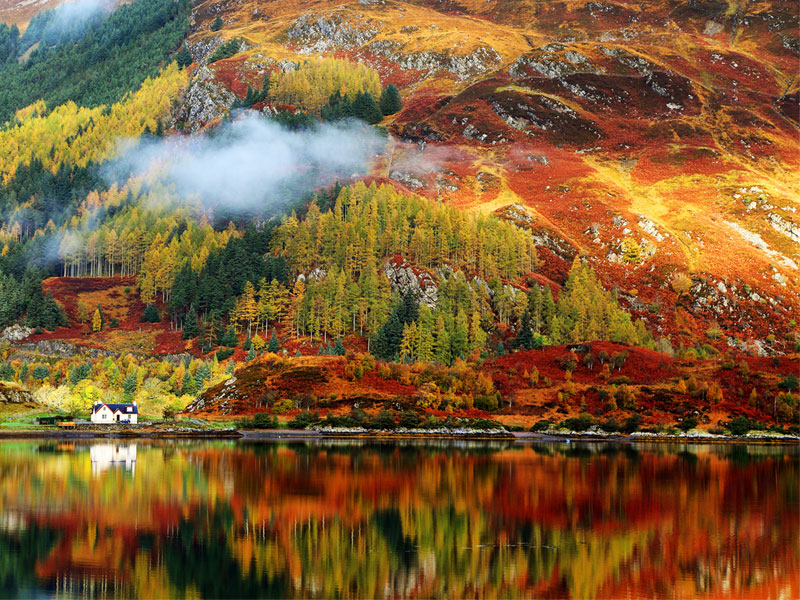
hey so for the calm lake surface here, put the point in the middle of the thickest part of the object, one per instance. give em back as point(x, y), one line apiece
point(349, 519)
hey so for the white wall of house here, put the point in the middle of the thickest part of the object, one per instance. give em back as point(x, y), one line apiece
point(105, 416)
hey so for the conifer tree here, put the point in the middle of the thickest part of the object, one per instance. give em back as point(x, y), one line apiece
point(274, 345)
point(366, 109)
point(390, 101)
point(217, 24)
point(190, 329)
point(183, 58)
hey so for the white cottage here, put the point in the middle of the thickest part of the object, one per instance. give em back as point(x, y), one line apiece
point(114, 413)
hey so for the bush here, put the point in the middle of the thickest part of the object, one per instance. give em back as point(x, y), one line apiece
point(542, 425)
point(410, 419)
point(619, 380)
point(687, 423)
point(790, 383)
point(384, 420)
point(488, 403)
point(610, 426)
point(282, 406)
point(227, 50)
point(304, 420)
point(224, 354)
point(631, 424)
point(740, 425)
point(581, 423)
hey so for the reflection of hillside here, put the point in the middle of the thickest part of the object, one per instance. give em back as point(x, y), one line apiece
point(415, 520)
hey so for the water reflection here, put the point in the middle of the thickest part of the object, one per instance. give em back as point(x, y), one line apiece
point(108, 456)
point(335, 518)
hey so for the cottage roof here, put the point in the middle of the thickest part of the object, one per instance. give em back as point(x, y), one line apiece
point(125, 409)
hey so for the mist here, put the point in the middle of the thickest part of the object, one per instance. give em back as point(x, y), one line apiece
point(68, 22)
point(251, 164)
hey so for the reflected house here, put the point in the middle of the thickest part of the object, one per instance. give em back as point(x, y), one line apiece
point(103, 413)
point(107, 456)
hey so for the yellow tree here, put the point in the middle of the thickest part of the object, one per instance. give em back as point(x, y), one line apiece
point(97, 320)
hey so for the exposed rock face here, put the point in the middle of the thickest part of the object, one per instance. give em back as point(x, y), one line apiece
point(15, 333)
point(406, 278)
point(787, 228)
point(62, 349)
point(330, 32)
point(464, 66)
point(14, 394)
point(204, 48)
point(553, 60)
point(206, 99)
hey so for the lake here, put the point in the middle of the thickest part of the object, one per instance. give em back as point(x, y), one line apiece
point(365, 520)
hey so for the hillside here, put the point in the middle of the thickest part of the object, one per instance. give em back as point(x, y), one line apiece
point(656, 143)
point(187, 188)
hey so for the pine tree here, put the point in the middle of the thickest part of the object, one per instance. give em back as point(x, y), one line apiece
point(217, 24)
point(390, 101)
point(188, 384)
point(274, 345)
point(366, 109)
point(190, 329)
point(151, 315)
point(338, 348)
point(525, 339)
point(183, 58)
point(129, 387)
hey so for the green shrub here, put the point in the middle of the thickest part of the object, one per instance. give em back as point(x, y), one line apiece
point(410, 419)
point(542, 425)
point(581, 423)
point(224, 354)
point(740, 425)
point(632, 424)
point(304, 420)
point(687, 423)
point(488, 403)
point(383, 420)
point(790, 383)
point(610, 426)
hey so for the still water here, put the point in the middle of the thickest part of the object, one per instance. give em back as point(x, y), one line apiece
point(349, 519)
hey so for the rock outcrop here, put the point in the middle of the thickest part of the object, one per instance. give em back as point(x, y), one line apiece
point(206, 99)
point(405, 278)
point(15, 394)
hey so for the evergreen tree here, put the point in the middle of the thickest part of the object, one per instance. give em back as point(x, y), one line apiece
point(129, 387)
point(338, 348)
point(525, 339)
point(390, 101)
point(188, 384)
point(217, 24)
point(274, 345)
point(151, 315)
point(251, 355)
point(366, 109)
point(183, 58)
point(190, 329)
point(248, 342)
point(229, 339)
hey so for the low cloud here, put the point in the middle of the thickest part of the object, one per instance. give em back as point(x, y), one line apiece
point(251, 163)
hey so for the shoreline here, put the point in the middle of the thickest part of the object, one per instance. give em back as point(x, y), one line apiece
point(310, 434)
